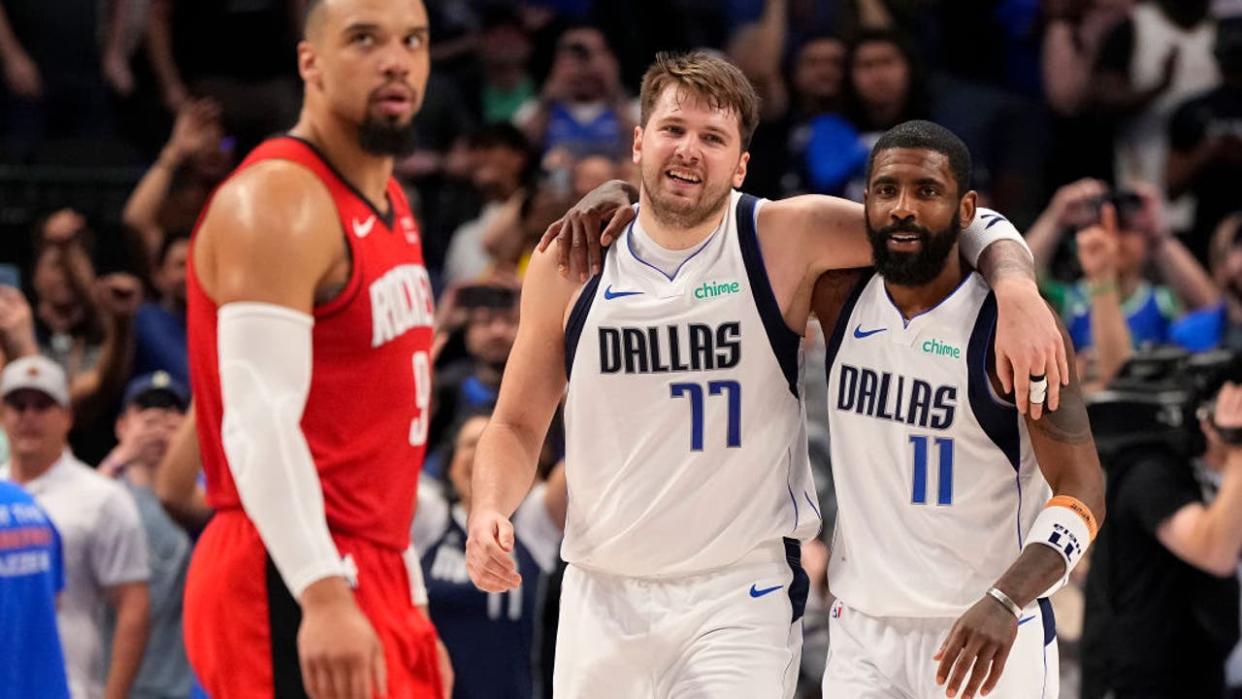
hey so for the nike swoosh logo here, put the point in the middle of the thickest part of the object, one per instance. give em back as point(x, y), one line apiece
point(764, 591)
point(860, 333)
point(363, 228)
point(609, 294)
point(1025, 619)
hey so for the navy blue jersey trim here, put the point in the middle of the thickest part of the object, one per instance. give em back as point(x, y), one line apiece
point(1000, 422)
point(577, 320)
point(843, 320)
point(800, 586)
point(784, 340)
point(629, 245)
point(1050, 620)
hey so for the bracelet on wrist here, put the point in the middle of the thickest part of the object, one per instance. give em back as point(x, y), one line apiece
point(1101, 287)
point(1005, 601)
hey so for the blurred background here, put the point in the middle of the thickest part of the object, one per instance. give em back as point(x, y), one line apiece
point(119, 117)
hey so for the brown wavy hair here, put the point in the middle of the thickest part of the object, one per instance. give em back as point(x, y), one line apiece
point(716, 81)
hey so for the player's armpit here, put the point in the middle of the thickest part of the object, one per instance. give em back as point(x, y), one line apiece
point(271, 234)
point(831, 291)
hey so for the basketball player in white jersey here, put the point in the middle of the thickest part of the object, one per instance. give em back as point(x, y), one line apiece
point(689, 483)
point(957, 516)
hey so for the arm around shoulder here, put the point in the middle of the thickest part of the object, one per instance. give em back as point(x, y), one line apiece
point(828, 230)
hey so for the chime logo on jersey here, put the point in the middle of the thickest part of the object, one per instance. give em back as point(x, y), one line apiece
point(890, 396)
point(941, 349)
point(401, 300)
point(669, 348)
point(711, 290)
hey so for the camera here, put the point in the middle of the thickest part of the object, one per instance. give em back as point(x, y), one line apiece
point(1155, 402)
point(1127, 203)
point(578, 50)
point(486, 296)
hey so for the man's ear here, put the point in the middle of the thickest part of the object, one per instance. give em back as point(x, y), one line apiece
point(966, 208)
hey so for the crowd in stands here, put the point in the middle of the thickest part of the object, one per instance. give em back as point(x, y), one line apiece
point(1110, 131)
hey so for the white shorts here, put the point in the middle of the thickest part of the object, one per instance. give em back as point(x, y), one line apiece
point(891, 657)
point(734, 632)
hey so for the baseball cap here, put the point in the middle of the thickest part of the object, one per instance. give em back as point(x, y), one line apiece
point(156, 390)
point(35, 373)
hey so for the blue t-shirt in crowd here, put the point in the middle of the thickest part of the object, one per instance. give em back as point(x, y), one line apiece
point(159, 343)
point(1149, 312)
point(31, 574)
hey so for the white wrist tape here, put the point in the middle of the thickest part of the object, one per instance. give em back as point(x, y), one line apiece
point(1064, 531)
point(418, 589)
point(265, 373)
point(987, 228)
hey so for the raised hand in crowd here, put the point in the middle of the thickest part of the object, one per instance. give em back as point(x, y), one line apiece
point(1072, 207)
point(196, 132)
point(119, 295)
point(144, 443)
point(22, 76)
point(17, 336)
point(196, 129)
point(1098, 250)
point(63, 227)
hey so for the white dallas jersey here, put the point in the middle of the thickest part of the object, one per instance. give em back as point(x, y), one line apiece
point(685, 427)
point(936, 482)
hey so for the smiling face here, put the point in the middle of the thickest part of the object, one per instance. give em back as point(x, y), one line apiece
point(366, 62)
point(690, 157)
point(914, 213)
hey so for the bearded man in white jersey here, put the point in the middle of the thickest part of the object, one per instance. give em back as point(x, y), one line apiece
point(957, 516)
point(686, 451)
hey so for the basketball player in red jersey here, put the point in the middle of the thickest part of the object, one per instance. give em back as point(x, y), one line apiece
point(310, 321)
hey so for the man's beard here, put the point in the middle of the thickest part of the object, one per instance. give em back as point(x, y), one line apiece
point(381, 137)
point(677, 213)
point(917, 268)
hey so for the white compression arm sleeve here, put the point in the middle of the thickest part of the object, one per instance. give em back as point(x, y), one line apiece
point(265, 372)
point(987, 228)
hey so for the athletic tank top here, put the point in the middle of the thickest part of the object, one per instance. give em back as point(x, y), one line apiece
point(367, 411)
point(685, 427)
point(936, 482)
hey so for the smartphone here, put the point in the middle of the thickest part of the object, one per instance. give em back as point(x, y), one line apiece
point(10, 275)
point(486, 296)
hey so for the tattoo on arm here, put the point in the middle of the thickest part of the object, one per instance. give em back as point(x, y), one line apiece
point(1005, 258)
point(1068, 423)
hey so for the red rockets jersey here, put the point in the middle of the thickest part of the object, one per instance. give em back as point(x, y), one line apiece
point(368, 409)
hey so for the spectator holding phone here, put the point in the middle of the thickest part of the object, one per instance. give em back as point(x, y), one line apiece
point(1141, 235)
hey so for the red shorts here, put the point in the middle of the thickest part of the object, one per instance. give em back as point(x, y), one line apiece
point(241, 622)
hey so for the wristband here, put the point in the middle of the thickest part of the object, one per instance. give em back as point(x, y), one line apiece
point(1064, 529)
point(1101, 288)
point(1080, 508)
point(1005, 602)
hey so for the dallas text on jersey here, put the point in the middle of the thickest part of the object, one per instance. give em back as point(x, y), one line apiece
point(890, 396)
point(660, 350)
